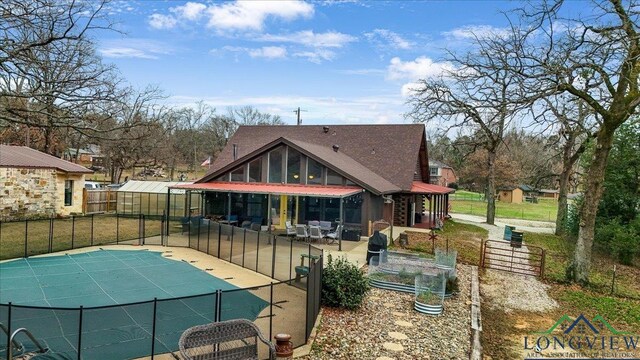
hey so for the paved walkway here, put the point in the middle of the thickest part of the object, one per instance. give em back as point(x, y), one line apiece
point(497, 231)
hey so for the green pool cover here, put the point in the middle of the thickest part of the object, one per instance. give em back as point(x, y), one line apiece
point(104, 282)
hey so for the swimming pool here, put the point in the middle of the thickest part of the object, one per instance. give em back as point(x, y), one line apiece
point(116, 290)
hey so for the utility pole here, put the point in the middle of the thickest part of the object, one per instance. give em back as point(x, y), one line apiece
point(298, 113)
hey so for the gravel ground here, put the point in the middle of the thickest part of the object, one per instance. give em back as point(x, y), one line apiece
point(386, 318)
point(510, 291)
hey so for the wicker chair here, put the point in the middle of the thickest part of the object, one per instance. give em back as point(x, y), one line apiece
point(225, 340)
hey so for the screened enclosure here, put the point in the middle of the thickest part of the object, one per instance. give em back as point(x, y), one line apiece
point(150, 198)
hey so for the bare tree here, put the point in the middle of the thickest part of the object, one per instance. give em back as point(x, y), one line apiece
point(50, 75)
point(556, 54)
point(26, 25)
point(248, 115)
point(480, 96)
point(571, 121)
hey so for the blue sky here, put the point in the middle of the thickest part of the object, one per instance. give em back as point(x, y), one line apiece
point(341, 61)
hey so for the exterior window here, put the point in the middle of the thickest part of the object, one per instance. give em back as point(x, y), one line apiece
point(314, 172)
point(223, 177)
point(255, 171)
point(333, 178)
point(238, 174)
point(293, 167)
point(275, 165)
point(68, 192)
point(433, 171)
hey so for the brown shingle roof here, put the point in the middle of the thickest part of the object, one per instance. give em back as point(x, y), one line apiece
point(382, 156)
point(24, 157)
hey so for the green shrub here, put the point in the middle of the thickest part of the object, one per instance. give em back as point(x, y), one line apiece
point(343, 284)
point(622, 241)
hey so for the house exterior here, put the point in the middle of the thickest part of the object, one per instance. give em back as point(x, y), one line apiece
point(441, 174)
point(89, 157)
point(549, 193)
point(35, 184)
point(348, 174)
point(515, 194)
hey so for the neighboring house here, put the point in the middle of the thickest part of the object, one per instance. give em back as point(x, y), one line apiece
point(89, 157)
point(515, 194)
point(549, 193)
point(441, 174)
point(35, 184)
point(354, 174)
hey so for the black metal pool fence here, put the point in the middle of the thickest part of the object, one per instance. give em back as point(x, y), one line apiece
point(262, 252)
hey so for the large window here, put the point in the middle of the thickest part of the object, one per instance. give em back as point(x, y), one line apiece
point(68, 192)
point(255, 171)
point(293, 167)
point(333, 178)
point(238, 174)
point(314, 172)
point(275, 165)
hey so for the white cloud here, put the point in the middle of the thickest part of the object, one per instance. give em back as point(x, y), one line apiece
point(159, 21)
point(269, 52)
point(329, 39)
point(190, 11)
point(381, 109)
point(316, 56)
point(387, 38)
point(134, 48)
point(420, 68)
point(479, 31)
point(251, 15)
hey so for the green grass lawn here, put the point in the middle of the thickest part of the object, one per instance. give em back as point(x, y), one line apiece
point(466, 195)
point(106, 229)
point(544, 210)
point(558, 256)
point(464, 238)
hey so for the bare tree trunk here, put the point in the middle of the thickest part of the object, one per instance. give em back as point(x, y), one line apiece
point(491, 187)
point(561, 218)
point(579, 269)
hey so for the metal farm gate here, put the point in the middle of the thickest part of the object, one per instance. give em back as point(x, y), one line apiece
point(501, 255)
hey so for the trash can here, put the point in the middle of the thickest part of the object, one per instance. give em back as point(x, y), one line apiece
point(516, 239)
point(508, 229)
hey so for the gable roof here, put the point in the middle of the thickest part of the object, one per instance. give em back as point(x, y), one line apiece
point(379, 157)
point(25, 157)
point(439, 164)
point(526, 188)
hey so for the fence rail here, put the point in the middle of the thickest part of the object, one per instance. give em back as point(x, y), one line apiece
point(262, 252)
point(94, 201)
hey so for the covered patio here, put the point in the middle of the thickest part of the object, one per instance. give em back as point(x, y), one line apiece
point(269, 207)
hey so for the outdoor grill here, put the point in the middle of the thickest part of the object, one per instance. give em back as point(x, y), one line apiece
point(377, 243)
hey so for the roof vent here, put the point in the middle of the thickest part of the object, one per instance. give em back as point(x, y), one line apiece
point(336, 147)
point(325, 129)
point(235, 152)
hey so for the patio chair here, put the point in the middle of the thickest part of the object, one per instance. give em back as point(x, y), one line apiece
point(334, 235)
point(315, 234)
point(301, 232)
point(232, 339)
point(291, 230)
point(313, 223)
point(325, 225)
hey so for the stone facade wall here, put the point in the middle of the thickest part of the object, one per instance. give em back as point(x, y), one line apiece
point(27, 193)
point(76, 201)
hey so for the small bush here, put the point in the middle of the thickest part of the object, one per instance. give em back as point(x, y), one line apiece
point(343, 284)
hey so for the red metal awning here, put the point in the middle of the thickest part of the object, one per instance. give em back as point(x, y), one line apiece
point(418, 187)
point(328, 191)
